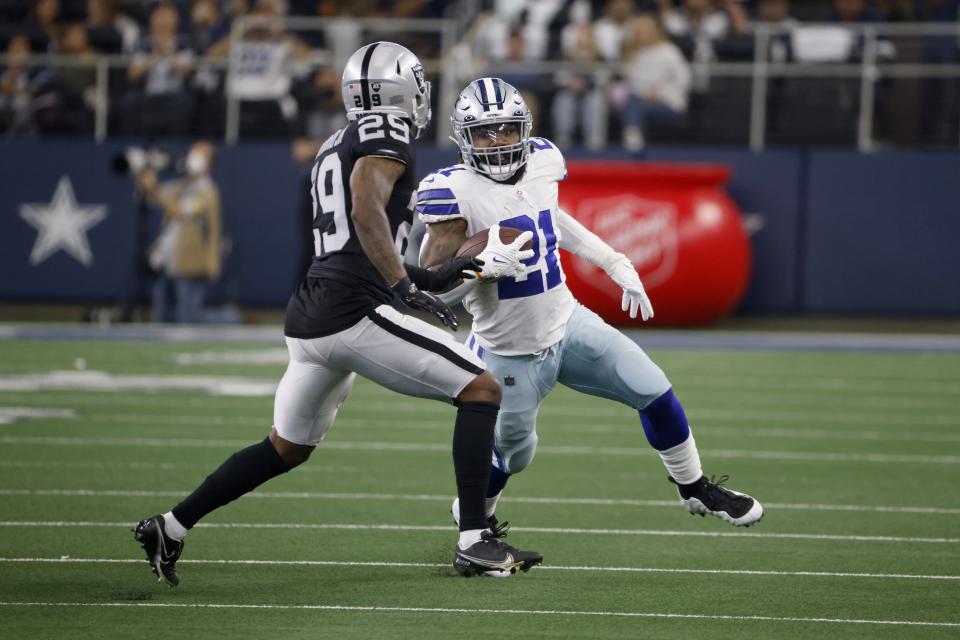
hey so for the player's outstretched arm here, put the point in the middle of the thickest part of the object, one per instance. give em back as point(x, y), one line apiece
point(580, 241)
point(371, 184)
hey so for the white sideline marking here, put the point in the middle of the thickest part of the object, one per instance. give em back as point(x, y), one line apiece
point(448, 528)
point(382, 609)
point(437, 565)
point(673, 504)
point(445, 448)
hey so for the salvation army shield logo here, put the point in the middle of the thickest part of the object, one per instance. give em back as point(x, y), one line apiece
point(643, 230)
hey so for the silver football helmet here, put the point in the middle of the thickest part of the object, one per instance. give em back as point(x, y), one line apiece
point(384, 77)
point(490, 108)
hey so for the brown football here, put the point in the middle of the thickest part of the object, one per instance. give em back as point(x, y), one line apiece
point(473, 245)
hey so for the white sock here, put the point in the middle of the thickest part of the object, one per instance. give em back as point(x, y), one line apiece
point(173, 527)
point(469, 538)
point(683, 461)
point(492, 504)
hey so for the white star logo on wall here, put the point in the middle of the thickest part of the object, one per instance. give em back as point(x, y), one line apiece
point(62, 224)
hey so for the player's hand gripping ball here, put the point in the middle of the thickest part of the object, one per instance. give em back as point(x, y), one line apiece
point(502, 249)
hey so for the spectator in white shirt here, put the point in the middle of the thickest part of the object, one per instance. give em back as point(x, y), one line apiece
point(268, 60)
point(658, 78)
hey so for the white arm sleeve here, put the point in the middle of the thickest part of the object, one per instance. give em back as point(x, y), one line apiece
point(577, 239)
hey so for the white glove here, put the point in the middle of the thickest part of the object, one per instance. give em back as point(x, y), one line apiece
point(503, 260)
point(634, 297)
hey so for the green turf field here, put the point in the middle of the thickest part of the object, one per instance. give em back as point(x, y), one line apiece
point(856, 457)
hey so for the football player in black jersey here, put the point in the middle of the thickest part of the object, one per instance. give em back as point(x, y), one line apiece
point(340, 323)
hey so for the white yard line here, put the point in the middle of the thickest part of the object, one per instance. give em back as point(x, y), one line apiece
point(697, 413)
point(445, 448)
point(547, 425)
point(626, 423)
point(391, 609)
point(436, 565)
point(246, 386)
point(672, 504)
point(365, 391)
point(91, 464)
point(679, 366)
point(557, 530)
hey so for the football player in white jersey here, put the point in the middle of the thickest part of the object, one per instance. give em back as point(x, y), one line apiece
point(527, 326)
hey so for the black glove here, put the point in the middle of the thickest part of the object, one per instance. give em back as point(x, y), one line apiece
point(441, 277)
point(423, 301)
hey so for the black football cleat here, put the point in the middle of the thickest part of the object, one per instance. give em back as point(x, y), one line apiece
point(493, 557)
point(162, 550)
point(709, 497)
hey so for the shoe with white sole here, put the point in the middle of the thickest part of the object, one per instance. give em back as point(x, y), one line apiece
point(496, 530)
point(709, 497)
point(491, 556)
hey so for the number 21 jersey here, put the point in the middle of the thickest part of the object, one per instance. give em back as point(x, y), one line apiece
point(514, 316)
point(342, 285)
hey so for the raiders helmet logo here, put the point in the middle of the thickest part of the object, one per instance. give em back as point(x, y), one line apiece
point(420, 77)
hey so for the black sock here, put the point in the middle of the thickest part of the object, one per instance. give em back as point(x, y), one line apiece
point(241, 473)
point(472, 449)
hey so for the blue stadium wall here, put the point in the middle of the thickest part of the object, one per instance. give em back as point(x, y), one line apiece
point(841, 232)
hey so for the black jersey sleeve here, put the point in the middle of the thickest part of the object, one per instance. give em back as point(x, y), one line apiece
point(384, 135)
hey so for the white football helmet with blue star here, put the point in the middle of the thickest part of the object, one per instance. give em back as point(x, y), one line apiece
point(486, 107)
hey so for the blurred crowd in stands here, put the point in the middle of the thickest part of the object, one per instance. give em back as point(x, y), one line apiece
point(635, 70)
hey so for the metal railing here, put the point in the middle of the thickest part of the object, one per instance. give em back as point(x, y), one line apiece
point(869, 69)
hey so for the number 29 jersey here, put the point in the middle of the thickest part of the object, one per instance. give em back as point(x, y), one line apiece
point(342, 285)
point(514, 316)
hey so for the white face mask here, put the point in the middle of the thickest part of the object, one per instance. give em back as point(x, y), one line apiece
point(196, 163)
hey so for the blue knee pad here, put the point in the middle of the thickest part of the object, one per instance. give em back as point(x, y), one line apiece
point(498, 480)
point(664, 422)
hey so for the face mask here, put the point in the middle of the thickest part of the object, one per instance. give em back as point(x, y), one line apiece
point(196, 163)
